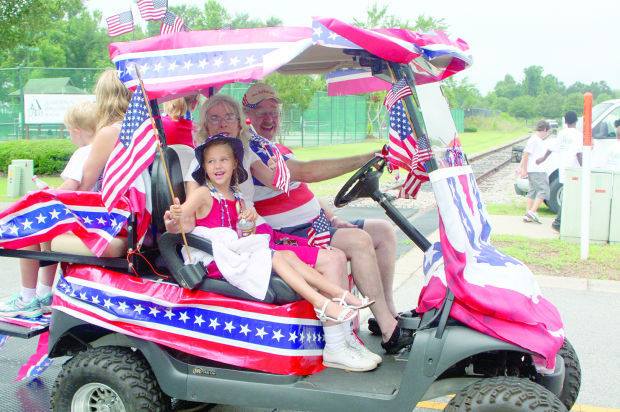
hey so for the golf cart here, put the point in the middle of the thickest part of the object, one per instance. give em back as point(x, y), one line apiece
point(125, 359)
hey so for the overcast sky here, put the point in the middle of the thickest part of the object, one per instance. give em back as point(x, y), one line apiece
point(570, 41)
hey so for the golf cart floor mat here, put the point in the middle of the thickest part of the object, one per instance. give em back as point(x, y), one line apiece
point(285, 339)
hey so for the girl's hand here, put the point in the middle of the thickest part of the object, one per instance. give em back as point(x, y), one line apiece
point(171, 225)
point(176, 211)
point(249, 214)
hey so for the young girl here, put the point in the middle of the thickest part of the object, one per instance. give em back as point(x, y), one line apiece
point(177, 128)
point(213, 204)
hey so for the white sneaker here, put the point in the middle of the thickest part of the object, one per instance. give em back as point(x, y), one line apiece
point(348, 359)
point(358, 346)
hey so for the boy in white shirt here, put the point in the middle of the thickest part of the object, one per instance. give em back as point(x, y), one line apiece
point(35, 298)
point(535, 173)
point(569, 147)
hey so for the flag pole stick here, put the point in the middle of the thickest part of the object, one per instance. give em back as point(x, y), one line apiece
point(161, 156)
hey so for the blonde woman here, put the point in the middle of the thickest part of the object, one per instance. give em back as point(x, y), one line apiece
point(177, 128)
point(112, 99)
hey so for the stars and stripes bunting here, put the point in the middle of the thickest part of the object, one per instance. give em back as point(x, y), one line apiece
point(285, 339)
point(133, 153)
point(38, 362)
point(171, 23)
point(318, 233)
point(40, 216)
point(399, 90)
point(272, 157)
point(120, 23)
point(152, 9)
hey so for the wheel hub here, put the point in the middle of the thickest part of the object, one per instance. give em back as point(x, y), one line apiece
point(97, 397)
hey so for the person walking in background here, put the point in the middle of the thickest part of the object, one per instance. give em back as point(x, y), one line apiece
point(568, 145)
point(535, 173)
point(177, 128)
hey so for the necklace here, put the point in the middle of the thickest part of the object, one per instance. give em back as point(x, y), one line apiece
point(226, 220)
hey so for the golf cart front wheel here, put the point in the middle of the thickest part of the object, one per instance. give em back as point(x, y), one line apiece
point(505, 394)
point(572, 375)
point(111, 379)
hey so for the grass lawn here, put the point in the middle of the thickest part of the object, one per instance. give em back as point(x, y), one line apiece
point(472, 143)
point(52, 181)
point(560, 258)
point(516, 208)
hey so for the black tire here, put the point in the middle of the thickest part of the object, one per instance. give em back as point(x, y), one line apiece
point(114, 373)
point(555, 195)
point(572, 375)
point(505, 394)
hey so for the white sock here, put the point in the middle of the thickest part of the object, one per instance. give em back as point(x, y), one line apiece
point(334, 337)
point(347, 330)
point(43, 290)
point(28, 294)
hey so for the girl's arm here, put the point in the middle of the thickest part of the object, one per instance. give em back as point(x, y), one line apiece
point(183, 217)
point(102, 146)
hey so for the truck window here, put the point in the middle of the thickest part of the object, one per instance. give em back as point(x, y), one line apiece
point(605, 129)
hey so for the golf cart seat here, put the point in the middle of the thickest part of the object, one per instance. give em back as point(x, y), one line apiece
point(70, 243)
point(178, 159)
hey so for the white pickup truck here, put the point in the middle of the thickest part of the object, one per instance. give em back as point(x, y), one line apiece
point(603, 138)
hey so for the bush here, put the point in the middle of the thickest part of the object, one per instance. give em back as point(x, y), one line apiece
point(502, 122)
point(50, 155)
point(470, 129)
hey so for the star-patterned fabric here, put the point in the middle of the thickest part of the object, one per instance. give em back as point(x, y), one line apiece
point(285, 339)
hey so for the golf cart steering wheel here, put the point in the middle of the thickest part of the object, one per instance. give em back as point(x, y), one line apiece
point(354, 187)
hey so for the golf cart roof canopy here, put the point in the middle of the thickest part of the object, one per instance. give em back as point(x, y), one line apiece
point(186, 62)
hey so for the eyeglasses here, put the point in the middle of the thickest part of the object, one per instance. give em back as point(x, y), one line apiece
point(228, 118)
point(270, 113)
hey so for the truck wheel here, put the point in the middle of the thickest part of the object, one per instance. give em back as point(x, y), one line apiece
point(505, 394)
point(572, 376)
point(555, 196)
point(108, 378)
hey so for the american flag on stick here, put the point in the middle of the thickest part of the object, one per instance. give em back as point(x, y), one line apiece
point(171, 23)
point(399, 90)
point(133, 153)
point(152, 9)
point(120, 23)
point(267, 151)
point(318, 234)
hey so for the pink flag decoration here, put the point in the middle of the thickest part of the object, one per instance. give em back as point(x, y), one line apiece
point(318, 233)
point(268, 152)
point(38, 362)
point(354, 81)
point(133, 153)
point(285, 339)
point(152, 9)
point(494, 293)
point(120, 23)
point(171, 23)
point(41, 216)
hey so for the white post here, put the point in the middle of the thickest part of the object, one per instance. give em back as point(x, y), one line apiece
point(586, 167)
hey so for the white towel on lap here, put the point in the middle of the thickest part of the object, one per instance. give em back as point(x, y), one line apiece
point(244, 262)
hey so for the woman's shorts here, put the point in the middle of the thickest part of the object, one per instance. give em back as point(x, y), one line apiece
point(539, 185)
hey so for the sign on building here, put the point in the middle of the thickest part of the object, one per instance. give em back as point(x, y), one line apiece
point(50, 108)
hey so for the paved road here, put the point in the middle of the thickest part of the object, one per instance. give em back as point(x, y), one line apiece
point(590, 320)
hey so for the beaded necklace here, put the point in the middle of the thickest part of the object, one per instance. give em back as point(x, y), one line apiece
point(224, 211)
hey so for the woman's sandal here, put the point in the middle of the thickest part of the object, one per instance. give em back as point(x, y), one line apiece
point(366, 301)
point(346, 314)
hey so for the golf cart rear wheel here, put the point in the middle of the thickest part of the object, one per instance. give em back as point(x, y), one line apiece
point(505, 394)
point(572, 375)
point(555, 195)
point(108, 379)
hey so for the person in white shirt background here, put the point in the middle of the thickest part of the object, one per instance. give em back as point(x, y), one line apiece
point(569, 147)
point(535, 173)
point(35, 297)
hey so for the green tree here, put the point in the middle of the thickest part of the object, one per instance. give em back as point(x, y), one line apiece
point(523, 106)
point(461, 93)
point(296, 90)
point(508, 88)
point(533, 80)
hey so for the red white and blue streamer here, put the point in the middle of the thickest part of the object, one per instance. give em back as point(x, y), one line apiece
point(494, 293)
point(286, 339)
point(38, 361)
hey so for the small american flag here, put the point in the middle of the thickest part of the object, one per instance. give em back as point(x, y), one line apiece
point(133, 153)
point(415, 178)
point(399, 90)
point(152, 9)
point(318, 234)
point(266, 150)
point(171, 23)
point(120, 23)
